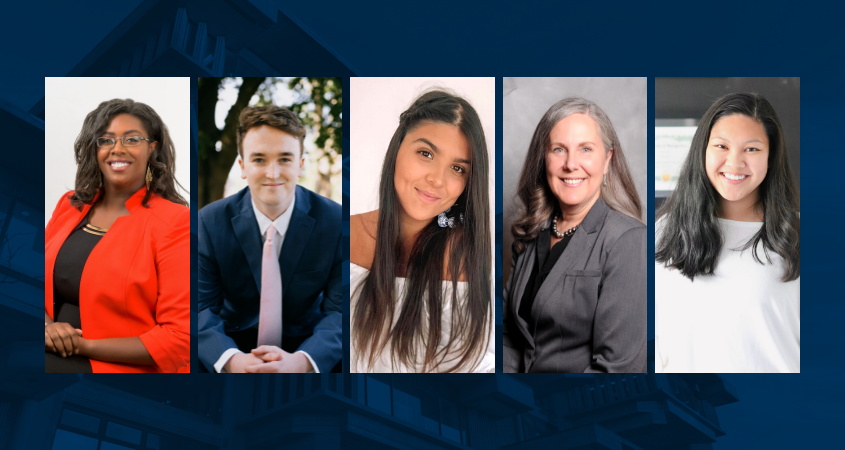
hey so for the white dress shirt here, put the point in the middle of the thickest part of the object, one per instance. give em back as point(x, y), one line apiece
point(281, 224)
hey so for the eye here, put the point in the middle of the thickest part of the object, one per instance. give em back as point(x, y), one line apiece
point(557, 150)
point(722, 146)
point(105, 142)
point(258, 160)
point(752, 149)
point(459, 169)
point(426, 154)
point(586, 149)
point(132, 140)
point(286, 160)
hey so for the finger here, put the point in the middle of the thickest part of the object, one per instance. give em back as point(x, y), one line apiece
point(262, 368)
point(78, 331)
point(57, 340)
point(265, 349)
point(48, 342)
point(268, 357)
point(67, 342)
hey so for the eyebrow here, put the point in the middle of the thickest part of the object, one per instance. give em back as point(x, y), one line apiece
point(746, 142)
point(252, 155)
point(437, 150)
point(560, 144)
point(125, 133)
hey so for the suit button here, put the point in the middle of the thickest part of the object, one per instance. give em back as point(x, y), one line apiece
point(237, 327)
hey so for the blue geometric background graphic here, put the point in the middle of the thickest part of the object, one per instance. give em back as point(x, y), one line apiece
point(494, 411)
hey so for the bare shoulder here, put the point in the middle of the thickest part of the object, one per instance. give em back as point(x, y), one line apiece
point(362, 238)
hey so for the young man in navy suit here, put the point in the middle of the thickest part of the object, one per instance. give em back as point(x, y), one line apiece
point(232, 237)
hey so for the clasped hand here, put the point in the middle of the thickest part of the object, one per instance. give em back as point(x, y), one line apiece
point(269, 359)
point(62, 338)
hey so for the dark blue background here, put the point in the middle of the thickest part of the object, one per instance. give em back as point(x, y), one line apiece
point(560, 39)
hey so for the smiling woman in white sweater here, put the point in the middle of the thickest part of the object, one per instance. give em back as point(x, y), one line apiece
point(727, 276)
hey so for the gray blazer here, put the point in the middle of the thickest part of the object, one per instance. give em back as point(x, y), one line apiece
point(590, 314)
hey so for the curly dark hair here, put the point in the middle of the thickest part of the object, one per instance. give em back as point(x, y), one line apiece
point(162, 161)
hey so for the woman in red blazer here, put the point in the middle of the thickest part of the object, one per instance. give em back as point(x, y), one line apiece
point(117, 252)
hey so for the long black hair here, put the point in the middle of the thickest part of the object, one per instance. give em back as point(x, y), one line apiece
point(162, 161)
point(691, 240)
point(465, 248)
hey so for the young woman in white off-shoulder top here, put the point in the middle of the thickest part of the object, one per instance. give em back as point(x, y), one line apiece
point(421, 297)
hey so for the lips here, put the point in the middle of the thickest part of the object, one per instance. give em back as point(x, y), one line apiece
point(572, 182)
point(119, 165)
point(427, 196)
point(733, 178)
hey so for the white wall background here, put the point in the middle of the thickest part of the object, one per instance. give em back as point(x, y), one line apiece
point(68, 100)
point(374, 109)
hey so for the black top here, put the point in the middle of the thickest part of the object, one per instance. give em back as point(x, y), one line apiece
point(70, 262)
point(543, 264)
point(67, 275)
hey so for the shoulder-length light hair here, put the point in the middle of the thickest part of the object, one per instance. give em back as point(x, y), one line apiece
point(416, 336)
point(691, 240)
point(536, 200)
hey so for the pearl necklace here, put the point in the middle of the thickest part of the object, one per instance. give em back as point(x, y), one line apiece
point(564, 234)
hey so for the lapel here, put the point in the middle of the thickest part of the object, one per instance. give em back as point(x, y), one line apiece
point(528, 257)
point(299, 230)
point(249, 236)
point(576, 252)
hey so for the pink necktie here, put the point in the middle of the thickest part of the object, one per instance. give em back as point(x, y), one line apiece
point(270, 317)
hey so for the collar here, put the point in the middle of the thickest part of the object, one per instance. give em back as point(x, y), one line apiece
point(281, 223)
point(132, 204)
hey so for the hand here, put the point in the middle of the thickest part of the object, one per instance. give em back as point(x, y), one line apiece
point(276, 360)
point(61, 338)
point(238, 362)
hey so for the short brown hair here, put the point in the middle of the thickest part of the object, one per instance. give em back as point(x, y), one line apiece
point(274, 116)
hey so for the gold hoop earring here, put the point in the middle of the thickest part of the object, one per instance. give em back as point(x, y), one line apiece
point(149, 177)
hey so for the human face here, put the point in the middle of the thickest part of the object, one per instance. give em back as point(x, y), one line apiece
point(125, 167)
point(576, 162)
point(272, 164)
point(432, 169)
point(737, 157)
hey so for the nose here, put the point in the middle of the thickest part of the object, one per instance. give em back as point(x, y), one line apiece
point(273, 170)
point(736, 158)
point(570, 163)
point(435, 177)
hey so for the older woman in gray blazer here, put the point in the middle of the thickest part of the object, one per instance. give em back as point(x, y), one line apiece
point(575, 299)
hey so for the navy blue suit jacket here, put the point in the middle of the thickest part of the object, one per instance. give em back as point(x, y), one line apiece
point(230, 251)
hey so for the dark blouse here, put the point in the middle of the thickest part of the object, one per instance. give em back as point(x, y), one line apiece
point(543, 264)
point(67, 275)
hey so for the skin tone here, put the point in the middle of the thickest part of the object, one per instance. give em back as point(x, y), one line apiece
point(736, 161)
point(432, 170)
point(272, 164)
point(576, 162)
point(124, 170)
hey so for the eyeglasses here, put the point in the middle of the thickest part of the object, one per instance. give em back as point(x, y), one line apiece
point(128, 141)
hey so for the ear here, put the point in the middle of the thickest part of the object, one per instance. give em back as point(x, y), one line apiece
point(301, 165)
point(607, 160)
point(153, 148)
point(241, 163)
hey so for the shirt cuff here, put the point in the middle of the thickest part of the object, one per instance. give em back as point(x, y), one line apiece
point(314, 367)
point(224, 358)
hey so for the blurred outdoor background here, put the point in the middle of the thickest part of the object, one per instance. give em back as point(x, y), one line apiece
point(317, 102)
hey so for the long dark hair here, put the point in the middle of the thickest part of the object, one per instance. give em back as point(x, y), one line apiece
point(536, 200)
point(467, 245)
point(162, 161)
point(691, 240)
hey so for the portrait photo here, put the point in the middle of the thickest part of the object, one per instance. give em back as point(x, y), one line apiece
point(270, 272)
point(727, 225)
point(422, 185)
point(117, 244)
point(574, 236)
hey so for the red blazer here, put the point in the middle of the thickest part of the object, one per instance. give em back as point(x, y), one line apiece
point(136, 281)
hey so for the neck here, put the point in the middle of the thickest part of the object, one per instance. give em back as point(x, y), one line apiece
point(743, 210)
point(116, 196)
point(574, 215)
point(274, 212)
